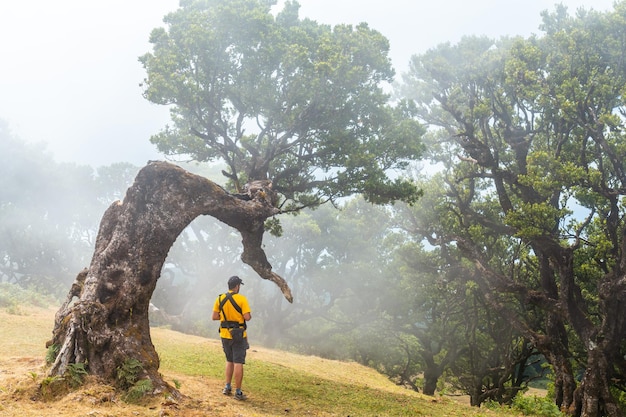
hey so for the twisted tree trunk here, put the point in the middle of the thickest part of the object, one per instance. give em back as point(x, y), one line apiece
point(104, 320)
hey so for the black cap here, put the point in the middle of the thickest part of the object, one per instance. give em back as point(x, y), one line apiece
point(234, 281)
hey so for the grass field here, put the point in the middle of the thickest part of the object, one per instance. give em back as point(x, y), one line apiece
point(277, 383)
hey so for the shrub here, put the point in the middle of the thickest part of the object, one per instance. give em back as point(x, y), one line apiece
point(13, 296)
point(536, 406)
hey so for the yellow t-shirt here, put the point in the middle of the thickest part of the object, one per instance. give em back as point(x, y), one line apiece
point(230, 312)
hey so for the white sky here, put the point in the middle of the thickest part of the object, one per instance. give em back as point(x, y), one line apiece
point(69, 74)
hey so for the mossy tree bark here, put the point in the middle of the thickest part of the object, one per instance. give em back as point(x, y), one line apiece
point(104, 320)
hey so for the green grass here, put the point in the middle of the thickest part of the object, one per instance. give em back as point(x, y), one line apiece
point(299, 387)
point(277, 383)
point(302, 392)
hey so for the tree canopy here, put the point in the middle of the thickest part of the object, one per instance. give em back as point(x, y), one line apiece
point(278, 98)
point(524, 222)
point(531, 132)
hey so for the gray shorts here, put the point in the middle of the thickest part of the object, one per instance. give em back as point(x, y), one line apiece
point(235, 351)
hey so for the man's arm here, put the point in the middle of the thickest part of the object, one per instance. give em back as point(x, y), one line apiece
point(245, 309)
point(216, 309)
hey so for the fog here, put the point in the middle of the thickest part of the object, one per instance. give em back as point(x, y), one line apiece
point(70, 80)
point(70, 75)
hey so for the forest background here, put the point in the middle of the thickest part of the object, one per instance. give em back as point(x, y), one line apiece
point(383, 285)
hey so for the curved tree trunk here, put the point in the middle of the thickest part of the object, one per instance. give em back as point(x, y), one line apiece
point(104, 320)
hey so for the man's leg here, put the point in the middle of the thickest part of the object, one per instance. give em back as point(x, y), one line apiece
point(239, 358)
point(238, 371)
point(230, 367)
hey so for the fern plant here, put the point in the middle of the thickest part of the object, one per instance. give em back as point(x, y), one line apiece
point(128, 373)
point(76, 374)
point(138, 390)
point(52, 352)
point(52, 385)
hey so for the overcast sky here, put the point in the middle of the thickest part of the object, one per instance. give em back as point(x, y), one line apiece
point(70, 77)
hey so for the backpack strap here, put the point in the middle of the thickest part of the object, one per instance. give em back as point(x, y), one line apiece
point(226, 323)
point(229, 297)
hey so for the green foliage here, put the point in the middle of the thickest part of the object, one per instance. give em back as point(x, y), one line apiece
point(13, 296)
point(138, 390)
point(534, 198)
point(52, 386)
point(533, 220)
point(620, 396)
point(273, 227)
point(52, 352)
point(76, 374)
point(531, 405)
point(127, 374)
point(127, 377)
point(276, 97)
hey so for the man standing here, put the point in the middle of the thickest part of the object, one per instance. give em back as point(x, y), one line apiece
point(232, 310)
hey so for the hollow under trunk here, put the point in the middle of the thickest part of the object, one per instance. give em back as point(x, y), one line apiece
point(104, 320)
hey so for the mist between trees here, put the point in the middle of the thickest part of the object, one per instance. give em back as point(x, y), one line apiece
point(487, 283)
point(364, 289)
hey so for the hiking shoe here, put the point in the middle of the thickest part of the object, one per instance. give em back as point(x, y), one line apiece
point(240, 396)
point(227, 391)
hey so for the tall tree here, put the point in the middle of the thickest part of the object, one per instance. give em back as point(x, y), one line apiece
point(440, 304)
point(297, 112)
point(282, 99)
point(538, 129)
